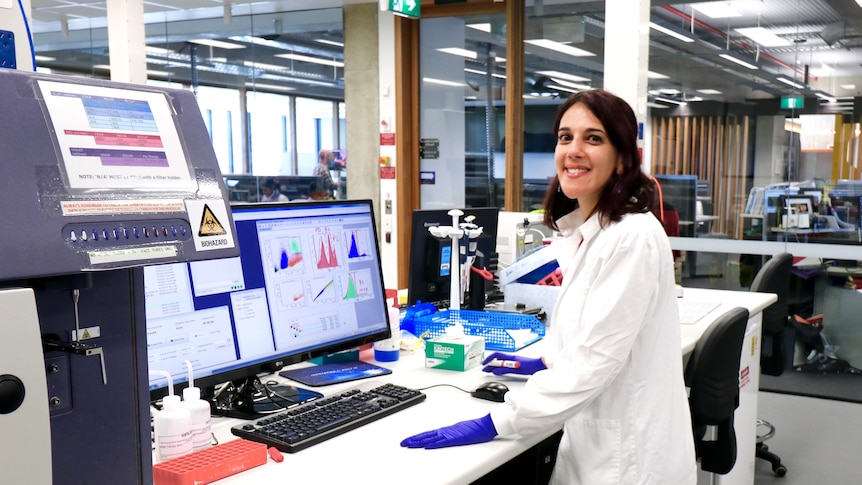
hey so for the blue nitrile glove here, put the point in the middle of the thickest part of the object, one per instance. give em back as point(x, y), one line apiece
point(463, 433)
point(515, 364)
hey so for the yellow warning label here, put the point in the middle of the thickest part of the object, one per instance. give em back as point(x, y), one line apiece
point(86, 335)
point(210, 226)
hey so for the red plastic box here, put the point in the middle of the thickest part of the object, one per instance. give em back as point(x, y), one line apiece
point(211, 464)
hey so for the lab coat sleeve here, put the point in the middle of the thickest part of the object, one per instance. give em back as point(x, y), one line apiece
point(617, 291)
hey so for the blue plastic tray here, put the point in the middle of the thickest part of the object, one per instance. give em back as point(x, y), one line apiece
point(493, 326)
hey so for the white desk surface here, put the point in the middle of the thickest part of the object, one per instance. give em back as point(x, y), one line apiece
point(372, 453)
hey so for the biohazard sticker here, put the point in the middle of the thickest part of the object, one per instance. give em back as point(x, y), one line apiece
point(213, 229)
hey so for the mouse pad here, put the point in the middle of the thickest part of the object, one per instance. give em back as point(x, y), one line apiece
point(326, 374)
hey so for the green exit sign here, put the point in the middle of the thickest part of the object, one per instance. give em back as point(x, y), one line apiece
point(407, 8)
point(788, 102)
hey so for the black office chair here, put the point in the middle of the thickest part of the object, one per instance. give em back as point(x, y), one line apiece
point(712, 374)
point(773, 277)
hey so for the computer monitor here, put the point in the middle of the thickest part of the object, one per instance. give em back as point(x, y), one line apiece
point(308, 282)
point(430, 257)
point(680, 191)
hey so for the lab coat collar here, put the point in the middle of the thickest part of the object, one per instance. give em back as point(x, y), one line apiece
point(578, 232)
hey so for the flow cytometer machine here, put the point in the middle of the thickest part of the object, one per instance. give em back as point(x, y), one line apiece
point(99, 179)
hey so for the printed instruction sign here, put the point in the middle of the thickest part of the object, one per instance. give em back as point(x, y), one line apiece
point(211, 227)
point(113, 138)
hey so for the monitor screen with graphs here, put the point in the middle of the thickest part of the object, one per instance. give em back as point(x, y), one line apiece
point(308, 282)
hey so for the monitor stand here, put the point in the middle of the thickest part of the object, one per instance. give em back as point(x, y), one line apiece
point(250, 398)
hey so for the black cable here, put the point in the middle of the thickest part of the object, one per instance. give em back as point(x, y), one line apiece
point(441, 385)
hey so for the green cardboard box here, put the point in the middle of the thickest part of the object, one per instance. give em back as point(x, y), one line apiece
point(454, 353)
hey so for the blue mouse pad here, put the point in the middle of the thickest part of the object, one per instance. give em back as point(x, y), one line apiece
point(326, 374)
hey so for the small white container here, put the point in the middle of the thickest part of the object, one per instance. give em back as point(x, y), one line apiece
point(199, 409)
point(173, 429)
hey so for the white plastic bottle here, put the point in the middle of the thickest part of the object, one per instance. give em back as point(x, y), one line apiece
point(172, 426)
point(200, 414)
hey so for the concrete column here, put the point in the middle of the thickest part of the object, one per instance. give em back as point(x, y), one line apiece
point(362, 101)
point(126, 41)
point(627, 54)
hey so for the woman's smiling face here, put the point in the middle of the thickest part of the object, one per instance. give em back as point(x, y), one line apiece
point(585, 158)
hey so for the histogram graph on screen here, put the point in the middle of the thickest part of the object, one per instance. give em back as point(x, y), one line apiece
point(326, 250)
point(356, 285)
point(358, 245)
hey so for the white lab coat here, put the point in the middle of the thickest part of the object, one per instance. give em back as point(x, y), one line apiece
point(615, 378)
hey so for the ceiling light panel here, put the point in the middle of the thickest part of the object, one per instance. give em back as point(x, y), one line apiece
point(669, 32)
point(460, 52)
point(559, 47)
point(738, 61)
point(790, 82)
point(709, 91)
point(563, 75)
point(763, 37)
point(217, 43)
point(716, 10)
point(315, 60)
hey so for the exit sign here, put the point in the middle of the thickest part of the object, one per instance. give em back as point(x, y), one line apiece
point(407, 8)
point(788, 102)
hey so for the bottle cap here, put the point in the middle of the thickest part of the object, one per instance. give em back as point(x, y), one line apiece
point(191, 394)
point(171, 402)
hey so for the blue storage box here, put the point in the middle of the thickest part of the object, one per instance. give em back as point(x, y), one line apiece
point(501, 330)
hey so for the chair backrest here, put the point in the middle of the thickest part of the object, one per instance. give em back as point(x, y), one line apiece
point(712, 374)
point(774, 277)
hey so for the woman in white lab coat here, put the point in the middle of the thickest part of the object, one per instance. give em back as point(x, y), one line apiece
point(613, 377)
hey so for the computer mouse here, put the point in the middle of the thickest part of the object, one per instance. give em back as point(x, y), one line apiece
point(491, 391)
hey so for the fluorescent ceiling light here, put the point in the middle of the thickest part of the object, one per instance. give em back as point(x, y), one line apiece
point(159, 73)
point(849, 86)
point(572, 85)
point(45, 58)
point(330, 42)
point(217, 43)
point(562, 75)
point(763, 36)
point(484, 27)
point(315, 60)
point(157, 50)
point(483, 73)
point(738, 61)
point(269, 86)
point(709, 91)
point(656, 75)
point(277, 77)
point(716, 10)
point(790, 82)
point(656, 105)
point(563, 48)
point(265, 66)
point(106, 67)
point(673, 101)
point(460, 52)
point(669, 32)
point(442, 82)
point(561, 88)
point(825, 96)
point(670, 91)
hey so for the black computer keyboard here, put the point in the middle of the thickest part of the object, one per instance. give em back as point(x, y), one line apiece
point(299, 427)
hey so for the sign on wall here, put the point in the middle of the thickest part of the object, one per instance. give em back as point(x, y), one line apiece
point(407, 8)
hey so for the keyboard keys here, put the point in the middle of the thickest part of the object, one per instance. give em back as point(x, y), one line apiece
point(307, 424)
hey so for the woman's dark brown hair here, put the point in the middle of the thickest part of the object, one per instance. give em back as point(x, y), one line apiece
point(633, 191)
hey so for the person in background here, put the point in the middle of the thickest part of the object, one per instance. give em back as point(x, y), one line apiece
point(317, 191)
point(270, 192)
point(324, 163)
point(612, 377)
